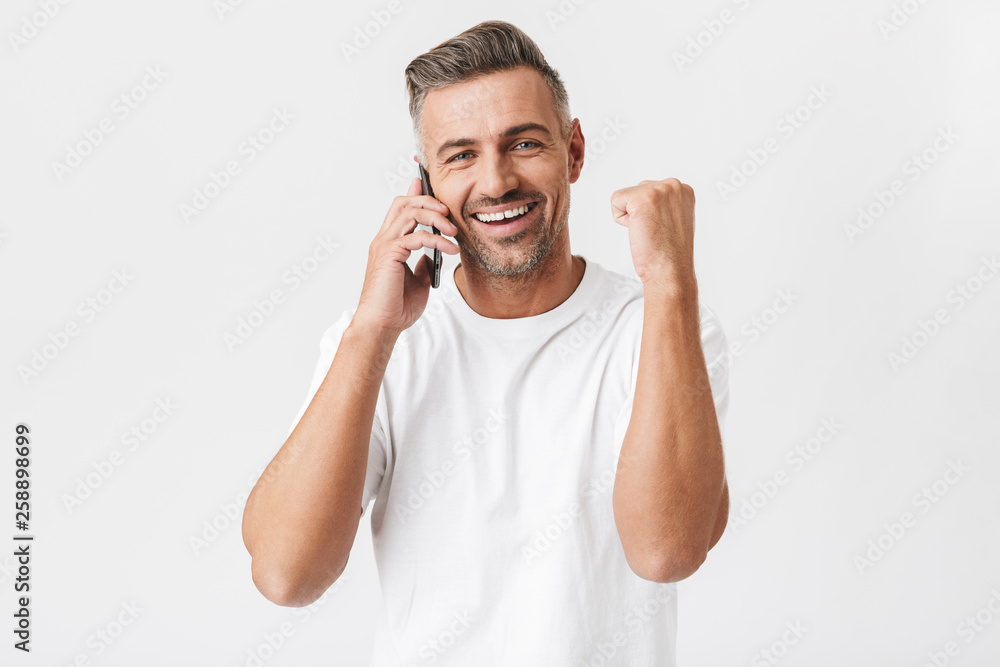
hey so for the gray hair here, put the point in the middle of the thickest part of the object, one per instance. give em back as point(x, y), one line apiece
point(491, 46)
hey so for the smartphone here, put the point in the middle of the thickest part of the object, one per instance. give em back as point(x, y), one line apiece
point(433, 253)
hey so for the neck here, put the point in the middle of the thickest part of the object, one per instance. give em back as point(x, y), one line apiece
point(530, 293)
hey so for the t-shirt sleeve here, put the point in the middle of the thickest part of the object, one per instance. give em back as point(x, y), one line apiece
point(714, 345)
point(378, 444)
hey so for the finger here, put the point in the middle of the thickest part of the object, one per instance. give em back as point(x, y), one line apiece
point(619, 201)
point(405, 210)
point(410, 217)
point(401, 202)
point(618, 197)
point(416, 191)
point(416, 201)
point(618, 215)
point(414, 197)
point(423, 239)
point(428, 202)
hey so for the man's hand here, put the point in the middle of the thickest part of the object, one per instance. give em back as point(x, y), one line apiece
point(659, 216)
point(393, 297)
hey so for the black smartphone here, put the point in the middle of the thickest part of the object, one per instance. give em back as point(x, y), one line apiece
point(433, 253)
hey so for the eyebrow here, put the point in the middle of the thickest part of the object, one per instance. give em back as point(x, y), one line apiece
point(509, 132)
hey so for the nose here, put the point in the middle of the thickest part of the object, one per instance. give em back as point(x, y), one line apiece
point(496, 175)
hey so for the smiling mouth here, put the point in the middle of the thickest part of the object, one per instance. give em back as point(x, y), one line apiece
point(502, 218)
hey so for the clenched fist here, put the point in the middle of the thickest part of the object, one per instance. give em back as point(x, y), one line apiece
point(659, 216)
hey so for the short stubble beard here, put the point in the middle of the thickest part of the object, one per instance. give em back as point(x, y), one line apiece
point(482, 250)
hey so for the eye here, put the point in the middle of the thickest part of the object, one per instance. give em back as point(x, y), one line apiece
point(530, 143)
point(455, 157)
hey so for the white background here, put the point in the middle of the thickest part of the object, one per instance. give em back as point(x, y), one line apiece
point(331, 173)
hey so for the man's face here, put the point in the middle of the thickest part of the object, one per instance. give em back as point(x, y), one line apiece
point(494, 144)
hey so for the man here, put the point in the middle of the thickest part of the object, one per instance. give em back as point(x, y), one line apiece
point(540, 435)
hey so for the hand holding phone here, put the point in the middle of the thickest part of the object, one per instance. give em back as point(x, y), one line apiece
point(433, 253)
point(393, 297)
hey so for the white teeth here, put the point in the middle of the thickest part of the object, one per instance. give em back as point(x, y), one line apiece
point(509, 213)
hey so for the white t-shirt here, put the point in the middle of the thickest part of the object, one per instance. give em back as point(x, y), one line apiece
point(492, 462)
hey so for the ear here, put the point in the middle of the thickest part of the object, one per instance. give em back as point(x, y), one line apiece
point(576, 150)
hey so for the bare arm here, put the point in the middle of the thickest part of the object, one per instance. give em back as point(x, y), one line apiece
point(302, 516)
point(671, 500)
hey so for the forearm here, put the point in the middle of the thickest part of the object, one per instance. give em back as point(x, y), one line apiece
point(302, 515)
point(670, 485)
